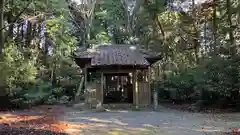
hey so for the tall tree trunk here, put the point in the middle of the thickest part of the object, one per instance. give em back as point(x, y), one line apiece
point(231, 30)
point(214, 26)
point(1, 25)
point(11, 27)
point(53, 73)
point(22, 32)
point(206, 48)
point(10, 19)
point(195, 34)
point(28, 35)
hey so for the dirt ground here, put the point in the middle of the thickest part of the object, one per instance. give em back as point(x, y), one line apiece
point(164, 122)
point(43, 120)
point(61, 120)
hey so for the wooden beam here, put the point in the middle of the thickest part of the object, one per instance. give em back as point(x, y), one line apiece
point(116, 71)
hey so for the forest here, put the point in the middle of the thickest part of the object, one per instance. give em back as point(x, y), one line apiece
point(198, 40)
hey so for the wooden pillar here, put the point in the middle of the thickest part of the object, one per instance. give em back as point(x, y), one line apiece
point(86, 92)
point(85, 78)
point(102, 85)
point(149, 86)
point(137, 93)
point(135, 89)
point(146, 88)
point(134, 85)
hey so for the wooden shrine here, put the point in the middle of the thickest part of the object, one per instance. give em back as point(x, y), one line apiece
point(117, 74)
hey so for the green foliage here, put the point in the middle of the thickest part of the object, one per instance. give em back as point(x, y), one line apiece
point(30, 74)
point(15, 69)
point(51, 100)
point(216, 80)
point(110, 17)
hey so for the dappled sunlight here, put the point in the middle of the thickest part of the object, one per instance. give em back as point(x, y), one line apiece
point(208, 130)
point(158, 123)
point(149, 125)
point(113, 121)
point(117, 131)
point(44, 118)
point(200, 129)
point(204, 129)
point(78, 128)
point(73, 122)
point(111, 126)
point(104, 129)
point(10, 118)
point(32, 122)
point(118, 122)
point(117, 111)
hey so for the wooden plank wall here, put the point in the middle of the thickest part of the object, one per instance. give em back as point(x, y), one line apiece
point(99, 95)
point(144, 93)
point(143, 90)
point(93, 95)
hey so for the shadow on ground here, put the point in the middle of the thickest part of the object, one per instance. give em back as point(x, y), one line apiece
point(164, 122)
point(44, 120)
point(55, 120)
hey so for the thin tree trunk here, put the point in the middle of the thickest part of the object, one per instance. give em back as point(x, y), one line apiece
point(215, 26)
point(205, 37)
point(39, 29)
point(22, 32)
point(14, 20)
point(10, 19)
point(11, 27)
point(53, 74)
point(160, 26)
point(195, 34)
point(231, 34)
point(28, 34)
point(1, 25)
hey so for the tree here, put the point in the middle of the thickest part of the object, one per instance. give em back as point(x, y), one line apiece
point(215, 26)
point(2, 2)
point(82, 14)
point(231, 28)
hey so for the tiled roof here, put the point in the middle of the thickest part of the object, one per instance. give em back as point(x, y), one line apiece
point(115, 55)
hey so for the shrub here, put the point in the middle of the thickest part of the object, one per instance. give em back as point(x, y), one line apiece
point(216, 80)
point(25, 81)
point(51, 100)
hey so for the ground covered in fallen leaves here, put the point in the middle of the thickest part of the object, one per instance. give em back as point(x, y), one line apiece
point(60, 120)
point(43, 120)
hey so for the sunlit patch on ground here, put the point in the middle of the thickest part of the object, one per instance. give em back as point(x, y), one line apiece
point(10, 118)
point(45, 118)
point(111, 126)
point(56, 120)
point(78, 128)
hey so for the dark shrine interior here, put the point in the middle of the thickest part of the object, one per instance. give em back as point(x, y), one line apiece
point(118, 88)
